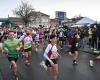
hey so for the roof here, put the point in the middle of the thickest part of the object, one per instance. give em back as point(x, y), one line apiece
point(86, 20)
point(16, 19)
point(4, 19)
point(54, 20)
point(42, 14)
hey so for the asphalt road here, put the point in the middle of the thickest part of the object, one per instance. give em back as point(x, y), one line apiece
point(67, 71)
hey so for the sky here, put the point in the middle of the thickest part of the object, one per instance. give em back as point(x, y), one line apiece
point(86, 8)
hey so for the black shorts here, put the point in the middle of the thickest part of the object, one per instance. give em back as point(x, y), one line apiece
point(12, 59)
point(72, 52)
point(73, 49)
point(41, 38)
point(26, 50)
point(60, 38)
point(48, 64)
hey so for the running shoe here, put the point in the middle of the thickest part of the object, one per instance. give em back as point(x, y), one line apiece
point(27, 63)
point(95, 51)
point(36, 49)
point(16, 77)
point(75, 63)
point(43, 65)
point(91, 63)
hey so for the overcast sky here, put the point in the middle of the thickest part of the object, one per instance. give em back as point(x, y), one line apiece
point(88, 8)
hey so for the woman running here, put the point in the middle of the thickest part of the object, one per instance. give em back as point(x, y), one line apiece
point(51, 55)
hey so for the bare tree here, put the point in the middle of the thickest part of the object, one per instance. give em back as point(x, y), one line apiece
point(26, 12)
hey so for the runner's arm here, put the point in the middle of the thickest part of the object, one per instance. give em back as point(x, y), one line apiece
point(46, 53)
point(4, 48)
point(19, 45)
point(32, 41)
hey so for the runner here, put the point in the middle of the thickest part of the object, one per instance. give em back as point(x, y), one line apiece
point(37, 39)
point(92, 61)
point(61, 36)
point(1, 50)
point(41, 36)
point(97, 43)
point(73, 50)
point(51, 56)
point(12, 46)
point(27, 39)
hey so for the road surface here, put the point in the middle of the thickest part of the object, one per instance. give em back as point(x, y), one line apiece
point(66, 70)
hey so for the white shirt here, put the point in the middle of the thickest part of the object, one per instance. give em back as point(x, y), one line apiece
point(33, 32)
point(27, 40)
point(61, 34)
point(53, 49)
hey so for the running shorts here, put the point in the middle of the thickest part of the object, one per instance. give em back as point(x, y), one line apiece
point(60, 38)
point(26, 50)
point(48, 64)
point(12, 59)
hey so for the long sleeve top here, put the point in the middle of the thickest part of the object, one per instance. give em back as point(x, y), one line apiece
point(53, 49)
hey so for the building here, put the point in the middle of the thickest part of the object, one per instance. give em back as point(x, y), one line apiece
point(60, 15)
point(17, 21)
point(41, 19)
point(54, 22)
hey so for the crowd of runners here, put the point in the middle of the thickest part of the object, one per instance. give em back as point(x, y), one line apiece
point(21, 40)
